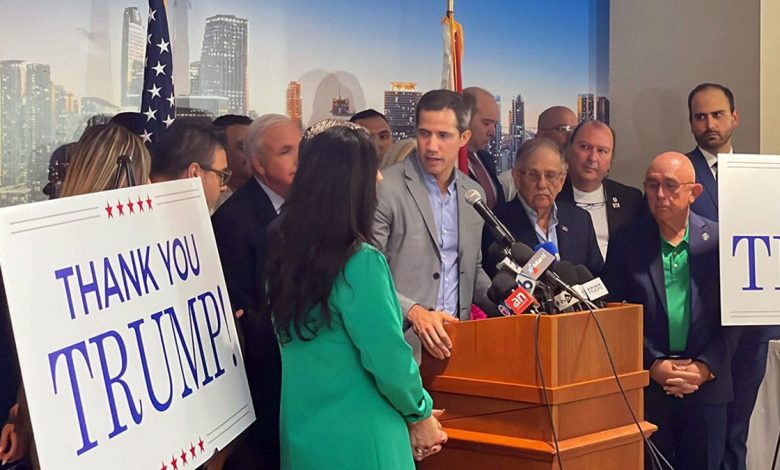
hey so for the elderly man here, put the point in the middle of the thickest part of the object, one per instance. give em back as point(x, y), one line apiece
point(669, 264)
point(555, 123)
point(611, 205)
point(240, 226)
point(534, 217)
point(428, 232)
point(190, 148)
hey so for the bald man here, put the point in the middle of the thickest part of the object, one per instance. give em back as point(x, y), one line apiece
point(482, 166)
point(555, 123)
point(668, 262)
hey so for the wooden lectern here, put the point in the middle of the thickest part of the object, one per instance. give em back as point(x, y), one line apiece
point(496, 415)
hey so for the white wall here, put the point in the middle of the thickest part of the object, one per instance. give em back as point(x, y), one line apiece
point(659, 51)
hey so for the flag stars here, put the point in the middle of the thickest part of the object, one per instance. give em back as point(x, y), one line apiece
point(168, 121)
point(174, 463)
point(192, 450)
point(147, 136)
point(163, 46)
point(159, 68)
point(151, 15)
point(150, 114)
point(120, 207)
point(164, 467)
point(155, 90)
point(171, 100)
point(149, 38)
point(200, 444)
point(149, 206)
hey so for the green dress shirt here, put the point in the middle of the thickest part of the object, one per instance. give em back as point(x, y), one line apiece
point(677, 283)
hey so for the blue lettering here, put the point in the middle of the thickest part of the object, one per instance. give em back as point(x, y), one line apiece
point(195, 269)
point(64, 274)
point(113, 289)
point(68, 352)
point(212, 332)
point(751, 247)
point(146, 272)
point(156, 403)
point(127, 274)
point(90, 287)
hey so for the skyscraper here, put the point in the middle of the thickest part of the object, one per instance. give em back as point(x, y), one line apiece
point(294, 104)
point(12, 105)
point(195, 78)
point(516, 125)
point(39, 126)
point(223, 61)
point(602, 109)
point(400, 102)
point(585, 107)
point(132, 68)
point(181, 44)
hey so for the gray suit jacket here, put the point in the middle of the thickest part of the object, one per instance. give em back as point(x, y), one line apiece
point(406, 231)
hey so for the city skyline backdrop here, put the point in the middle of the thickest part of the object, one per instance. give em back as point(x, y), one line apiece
point(544, 52)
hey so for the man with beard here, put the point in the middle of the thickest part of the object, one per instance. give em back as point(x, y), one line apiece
point(713, 119)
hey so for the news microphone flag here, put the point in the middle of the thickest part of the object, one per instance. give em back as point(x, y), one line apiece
point(157, 99)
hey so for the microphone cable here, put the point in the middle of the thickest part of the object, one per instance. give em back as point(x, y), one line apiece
point(547, 404)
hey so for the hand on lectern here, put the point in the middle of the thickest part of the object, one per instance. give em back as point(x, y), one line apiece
point(429, 326)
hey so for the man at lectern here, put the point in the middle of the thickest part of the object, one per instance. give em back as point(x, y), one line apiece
point(668, 262)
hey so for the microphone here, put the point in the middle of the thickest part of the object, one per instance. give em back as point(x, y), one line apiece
point(565, 301)
point(594, 287)
point(511, 297)
point(499, 231)
point(550, 246)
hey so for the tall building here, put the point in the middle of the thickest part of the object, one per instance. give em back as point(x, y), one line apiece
point(39, 126)
point(195, 78)
point(181, 44)
point(400, 102)
point(12, 75)
point(602, 109)
point(98, 80)
point(294, 103)
point(516, 124)
point(223, 61)
point(585, 107)
point(132, 67)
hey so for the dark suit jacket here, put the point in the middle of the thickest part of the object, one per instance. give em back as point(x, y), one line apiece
point(706, 205)
point(240, 227)
point(624, 203)
point(576, 237)
point(490, 165)
point(634, 273)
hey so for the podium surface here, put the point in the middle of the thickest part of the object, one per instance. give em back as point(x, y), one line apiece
point(496, 412)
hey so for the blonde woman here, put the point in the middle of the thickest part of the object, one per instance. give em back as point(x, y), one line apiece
point(93, 161)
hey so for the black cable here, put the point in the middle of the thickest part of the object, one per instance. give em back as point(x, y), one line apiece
point(654, 452)
point(544, 391)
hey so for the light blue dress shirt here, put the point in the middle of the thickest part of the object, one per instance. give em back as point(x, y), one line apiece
point(445, 213)
point(551, 235)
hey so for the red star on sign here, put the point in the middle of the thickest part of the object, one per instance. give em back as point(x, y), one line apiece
point(183, 457)
point(164, 467)
point(192, 449)
point(148, 202)
point(121, 208)
point(140, 204)
point(200, 444)
point(174, 463)
point(130, 206)
point(110, 210)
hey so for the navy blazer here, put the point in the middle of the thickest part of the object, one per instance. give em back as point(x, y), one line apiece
point(576, 237)
point(624, 203)
point(706, 205)
point(634, 273)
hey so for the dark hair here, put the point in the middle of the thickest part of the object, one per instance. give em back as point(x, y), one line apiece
point(227, 120)
point(707, 86)
point(437, 100)
point(367, 114)
point(328, 215)
point(187, 141)
point(596, 123)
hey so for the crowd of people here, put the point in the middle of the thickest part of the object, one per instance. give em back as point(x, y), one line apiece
point(346, 255)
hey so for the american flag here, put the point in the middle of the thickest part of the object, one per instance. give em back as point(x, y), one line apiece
point(157, 103)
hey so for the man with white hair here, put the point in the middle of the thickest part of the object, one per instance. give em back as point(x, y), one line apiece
point(240, 226)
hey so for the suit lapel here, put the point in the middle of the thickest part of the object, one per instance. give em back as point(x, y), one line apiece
point(699, 237)
point(704, 176)
point(416, 187)
point(655, 264)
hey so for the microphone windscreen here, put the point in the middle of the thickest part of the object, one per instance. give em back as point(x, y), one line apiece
point(472, 196)
point(501, 286)
point(495, 252)
point(583, 274)
point(521, 253)
point(550, 247)
point(567, 273)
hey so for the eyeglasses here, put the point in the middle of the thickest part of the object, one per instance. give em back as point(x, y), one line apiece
point(563, 129)
point(669, 186)
point(224, 175)
point(535, 177)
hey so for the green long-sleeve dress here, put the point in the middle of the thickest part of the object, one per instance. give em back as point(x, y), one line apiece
point(348, 394)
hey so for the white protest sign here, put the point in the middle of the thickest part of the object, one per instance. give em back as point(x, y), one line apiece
point(749, 219)
point(125, 334)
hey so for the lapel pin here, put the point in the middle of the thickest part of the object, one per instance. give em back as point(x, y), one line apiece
point(705, 236)
point(615, 203)
point(564, 228)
